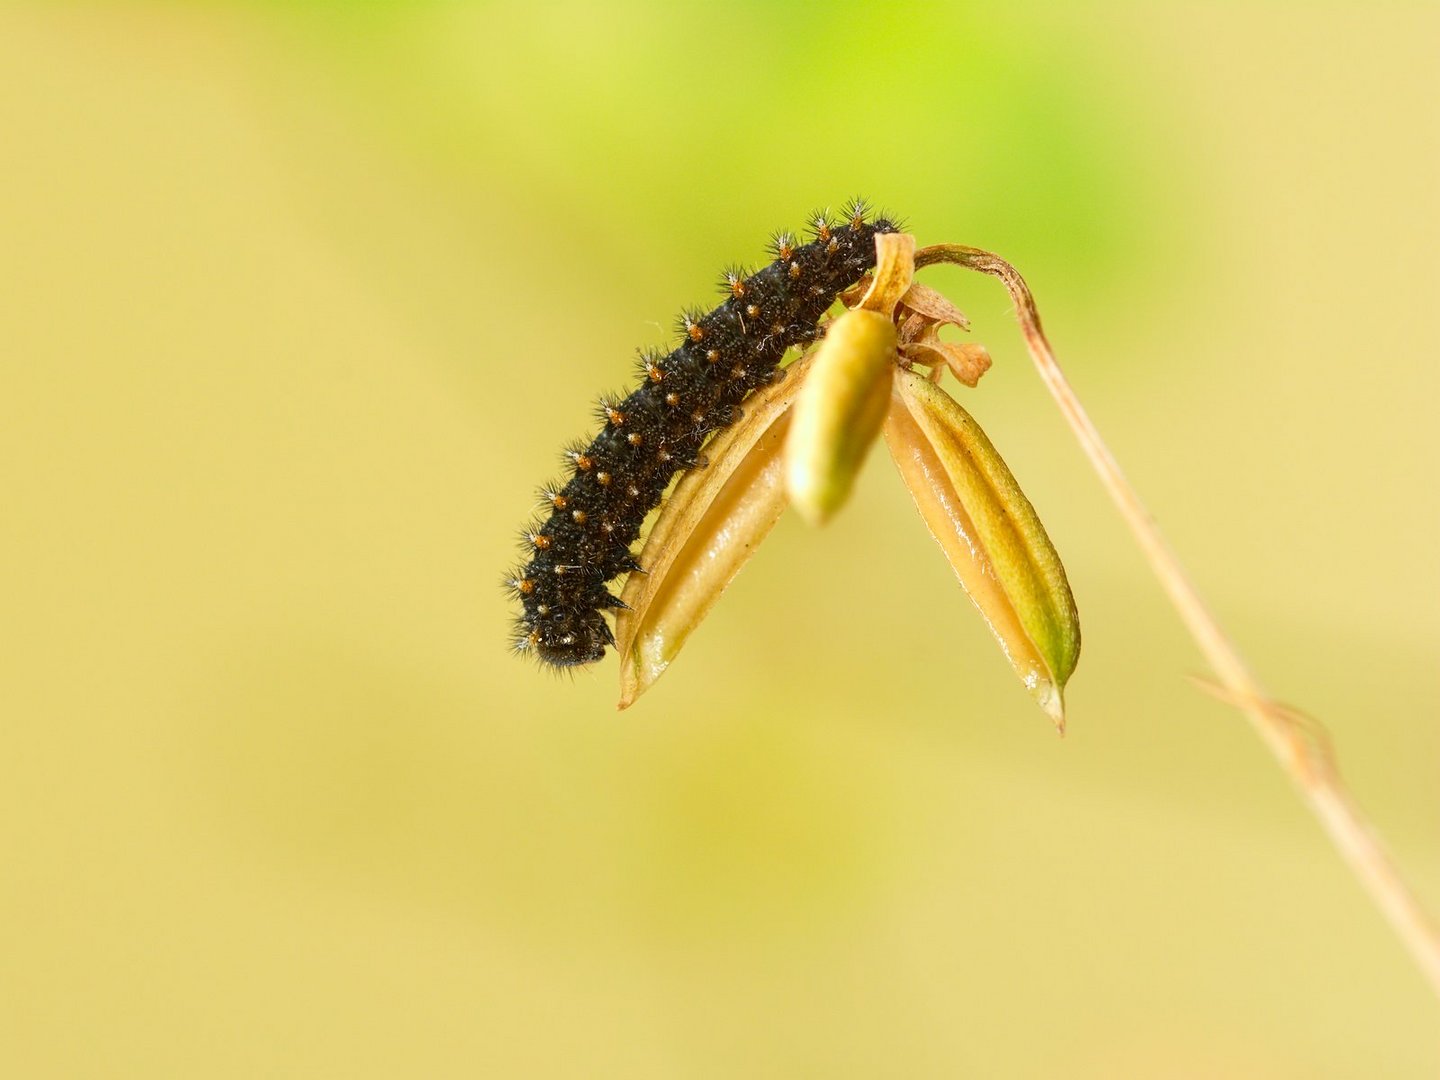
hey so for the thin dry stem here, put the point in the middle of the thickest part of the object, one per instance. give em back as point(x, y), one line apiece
point(1298, 742)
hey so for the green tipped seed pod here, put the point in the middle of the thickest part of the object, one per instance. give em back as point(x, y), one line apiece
point(839, 412)
point(990, 534)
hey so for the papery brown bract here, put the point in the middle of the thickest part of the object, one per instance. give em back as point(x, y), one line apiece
point(711, 525)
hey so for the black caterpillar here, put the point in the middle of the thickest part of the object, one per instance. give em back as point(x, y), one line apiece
point(657, 430)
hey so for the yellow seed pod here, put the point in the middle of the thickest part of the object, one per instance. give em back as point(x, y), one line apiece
point(706, 532)
point(839, 412)
point(990, 533)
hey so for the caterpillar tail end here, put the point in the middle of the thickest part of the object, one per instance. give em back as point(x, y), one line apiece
point(566, 643)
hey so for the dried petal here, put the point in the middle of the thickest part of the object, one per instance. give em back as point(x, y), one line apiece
point(706, 532)
point(990, 534)
point(894, 272)
point(924, 300)
point(838, 414)
point(915, 328)
point(965, 360)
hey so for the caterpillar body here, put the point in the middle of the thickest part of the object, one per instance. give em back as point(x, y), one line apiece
point(658, 429)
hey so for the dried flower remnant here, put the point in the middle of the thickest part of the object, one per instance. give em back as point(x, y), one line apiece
point(967, 361)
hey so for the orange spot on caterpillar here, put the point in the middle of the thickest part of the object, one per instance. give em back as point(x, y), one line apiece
point(578, 516)
point(541, 541)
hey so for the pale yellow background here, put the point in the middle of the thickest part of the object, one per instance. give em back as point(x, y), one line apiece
point(298, 302)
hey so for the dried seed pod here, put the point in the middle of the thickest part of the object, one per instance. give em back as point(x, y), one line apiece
point(989, 533)
point(839, 412)
point(709, 527)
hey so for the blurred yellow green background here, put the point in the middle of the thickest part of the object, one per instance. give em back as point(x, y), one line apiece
point(299, 301)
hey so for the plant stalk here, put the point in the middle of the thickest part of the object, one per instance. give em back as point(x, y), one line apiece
point(1297, 741)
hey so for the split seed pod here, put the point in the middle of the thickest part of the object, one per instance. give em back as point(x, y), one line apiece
point(990, 534)
point(710, 526)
